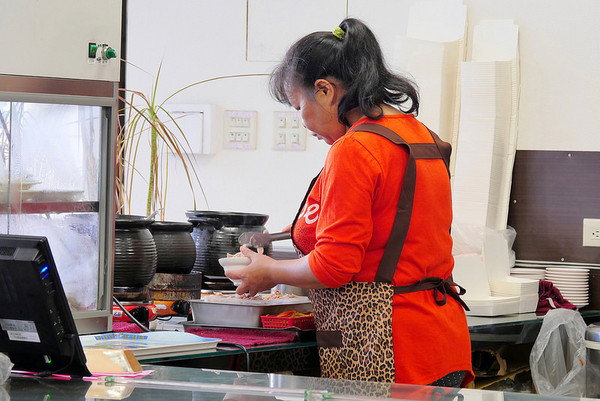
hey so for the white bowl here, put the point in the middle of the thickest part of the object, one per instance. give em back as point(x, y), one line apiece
point(234, 263)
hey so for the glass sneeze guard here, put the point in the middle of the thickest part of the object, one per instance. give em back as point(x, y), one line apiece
point(56, 163)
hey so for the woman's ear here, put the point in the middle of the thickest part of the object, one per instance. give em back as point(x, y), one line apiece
point(321, 85)
point(325, 88)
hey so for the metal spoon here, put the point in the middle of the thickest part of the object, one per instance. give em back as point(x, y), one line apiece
point(254, 238)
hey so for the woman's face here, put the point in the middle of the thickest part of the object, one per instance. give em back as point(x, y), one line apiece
point(318, 110)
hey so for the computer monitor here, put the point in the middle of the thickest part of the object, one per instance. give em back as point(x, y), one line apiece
point(37, 330)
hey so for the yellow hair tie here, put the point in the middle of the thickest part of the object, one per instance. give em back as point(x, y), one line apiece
point(338, 33)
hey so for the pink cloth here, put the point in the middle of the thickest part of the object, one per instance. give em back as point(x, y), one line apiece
point(551, 298)
point(125, 327)
point(245, 337)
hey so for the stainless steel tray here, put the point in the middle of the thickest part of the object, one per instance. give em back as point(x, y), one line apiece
point(245, 313)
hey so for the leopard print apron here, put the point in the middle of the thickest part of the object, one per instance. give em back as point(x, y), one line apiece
point(354, 322)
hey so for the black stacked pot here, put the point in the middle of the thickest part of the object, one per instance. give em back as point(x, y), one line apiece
point(216, 234)
point(135, 251)
point(176, 251)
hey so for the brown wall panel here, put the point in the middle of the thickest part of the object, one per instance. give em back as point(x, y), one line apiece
point(552, 192)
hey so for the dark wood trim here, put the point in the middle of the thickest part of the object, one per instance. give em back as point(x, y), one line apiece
point(56, 86)
point(552, 192)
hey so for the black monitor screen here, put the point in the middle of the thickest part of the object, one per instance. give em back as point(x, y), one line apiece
point(37, 329)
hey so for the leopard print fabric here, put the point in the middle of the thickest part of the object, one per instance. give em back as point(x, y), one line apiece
point(351, 389)
point(362, 312)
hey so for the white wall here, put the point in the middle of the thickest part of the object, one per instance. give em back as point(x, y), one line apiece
point(50, 38)
point(200, 39)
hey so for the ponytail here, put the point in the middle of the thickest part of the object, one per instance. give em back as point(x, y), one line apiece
point(352, 55)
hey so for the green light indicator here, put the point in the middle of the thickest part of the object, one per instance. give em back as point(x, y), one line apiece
point(111, 53)
point(92, 50)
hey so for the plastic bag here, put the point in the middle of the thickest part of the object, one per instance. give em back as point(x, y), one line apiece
point(510, 234)
point(557, 359)
point(5, 367)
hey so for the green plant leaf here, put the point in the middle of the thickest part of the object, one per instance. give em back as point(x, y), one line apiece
point(146, 118)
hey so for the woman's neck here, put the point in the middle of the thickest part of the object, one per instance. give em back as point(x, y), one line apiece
point(356, 114)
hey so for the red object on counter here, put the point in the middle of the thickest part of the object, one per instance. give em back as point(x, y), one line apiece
point(245, 337)
point(283, 322)
point(142, 312)
point(172, 308)
point(551, 298)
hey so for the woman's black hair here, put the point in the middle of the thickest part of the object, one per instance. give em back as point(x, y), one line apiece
point(356, 61)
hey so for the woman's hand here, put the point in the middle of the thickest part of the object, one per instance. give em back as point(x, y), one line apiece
point(264, 273)
point(257, 276)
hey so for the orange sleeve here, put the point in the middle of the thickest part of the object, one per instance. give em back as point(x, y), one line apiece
point(344, 230)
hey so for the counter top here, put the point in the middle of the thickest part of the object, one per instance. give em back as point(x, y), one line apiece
point(184, 383)
point(301, 355)
point(518, 328)
point(481, 322)
point(506, 328)
point(178, 384)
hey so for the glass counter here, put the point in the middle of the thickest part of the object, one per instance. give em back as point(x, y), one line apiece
point(178, 384)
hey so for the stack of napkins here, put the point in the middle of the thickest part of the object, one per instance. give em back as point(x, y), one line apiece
point(525, 289)
point(482, 176)
point(491, 291)
point(487, 135)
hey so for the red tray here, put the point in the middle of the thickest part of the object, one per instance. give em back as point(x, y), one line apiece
point(276, 322)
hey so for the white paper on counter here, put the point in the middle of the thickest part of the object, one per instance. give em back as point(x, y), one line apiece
point(496, 255)
point(511, 286)
point(469, 272)
point(496, 306)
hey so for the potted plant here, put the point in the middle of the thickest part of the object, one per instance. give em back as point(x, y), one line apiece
point(146, 118)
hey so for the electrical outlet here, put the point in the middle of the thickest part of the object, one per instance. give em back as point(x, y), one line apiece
point(288, 132)
point(240, 130)
point(591, 232)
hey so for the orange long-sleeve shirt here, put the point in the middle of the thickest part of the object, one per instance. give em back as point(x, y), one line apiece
point(344, 227)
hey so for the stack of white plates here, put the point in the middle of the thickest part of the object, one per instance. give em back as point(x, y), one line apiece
point(573, 283)
point(528, 272)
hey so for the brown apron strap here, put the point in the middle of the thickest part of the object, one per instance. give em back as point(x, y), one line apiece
point(444, 148)
point(395, 244)
point(439, 285)
point(310, 187)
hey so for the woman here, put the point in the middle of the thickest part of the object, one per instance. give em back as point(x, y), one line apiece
point(374, 227)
